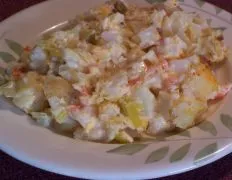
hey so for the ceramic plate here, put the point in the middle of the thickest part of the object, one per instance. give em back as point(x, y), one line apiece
point(40, 147)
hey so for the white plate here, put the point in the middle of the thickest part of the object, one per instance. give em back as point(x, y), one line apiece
point(39, 147)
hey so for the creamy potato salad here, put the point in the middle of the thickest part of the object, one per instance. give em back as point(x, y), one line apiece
point(121, 73)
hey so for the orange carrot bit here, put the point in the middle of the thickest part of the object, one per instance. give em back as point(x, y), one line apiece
point(17, 72)
point(27, 48)
point(85, 91)
point(134, 81)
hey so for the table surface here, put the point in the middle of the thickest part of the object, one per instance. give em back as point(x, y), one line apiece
point(13, 169)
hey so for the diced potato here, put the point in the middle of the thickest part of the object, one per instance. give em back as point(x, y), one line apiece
point(96, 134)
point(201, 82)
point(57, 87)
point(30, 100)
point(30, 96)
point(123, 137)
point(101, 54)
point(77, 59)
point(108, 110)
point(39, 60)
point(144, 95)
point(42, 118)
point(151, 57)
point(211, 48)
point(158, 17)
point(158, 125)
point(113, 88)
point(186, 111)
point(164, 104)
point(173, 47)
point(115, 125)
point(60, 114)
point(113, 21)
point(133, 111)
point(68, 73)
point(149, 37)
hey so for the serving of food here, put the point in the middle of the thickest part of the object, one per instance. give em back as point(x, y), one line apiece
point(120, 73)
point(142, 87)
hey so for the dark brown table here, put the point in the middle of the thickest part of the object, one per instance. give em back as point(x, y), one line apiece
point(11, 168)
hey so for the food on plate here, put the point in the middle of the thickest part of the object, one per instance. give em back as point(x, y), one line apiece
point(120, 73)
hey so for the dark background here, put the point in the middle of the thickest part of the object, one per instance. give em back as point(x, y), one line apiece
point(13, 169)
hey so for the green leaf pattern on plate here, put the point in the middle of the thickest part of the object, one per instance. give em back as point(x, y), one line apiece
point(2, 74)
point(2, 70)
point(128, 149)
point(209, 21)
point(200, 2)
point(155, 1)
point(7, 57)
point(15, 47)
point(153, 139)
point(208, 127)
point(226, 121)
point(205, 153)
point(2, 81)
point(157, 155)
point(180, 153)
point(159, 1)
point(218, 9)
point(185, 133)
